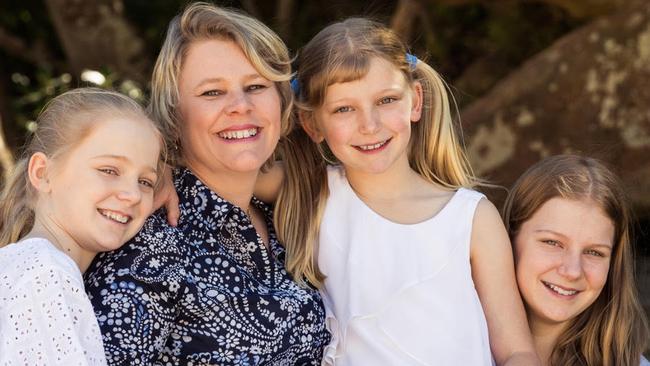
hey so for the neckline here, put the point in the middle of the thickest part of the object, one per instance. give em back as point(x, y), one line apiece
point(51, 247)
point(385, 219)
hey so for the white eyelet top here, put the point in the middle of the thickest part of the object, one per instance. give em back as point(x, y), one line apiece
point(45, 315)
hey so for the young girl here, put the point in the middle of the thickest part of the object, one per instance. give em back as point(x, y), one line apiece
point(569, 222)
point(417, 267)
point(85, 185)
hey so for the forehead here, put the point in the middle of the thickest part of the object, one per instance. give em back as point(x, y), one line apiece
point(378, 74)
point(214, 58)
point(131, 137)
point(582, 220)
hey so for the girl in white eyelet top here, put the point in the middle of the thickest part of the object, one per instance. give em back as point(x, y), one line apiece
point(84, 185)
point(46, 316)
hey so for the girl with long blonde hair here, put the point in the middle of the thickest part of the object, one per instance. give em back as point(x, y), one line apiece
point(377, 209)
point(569, 222)
point(84, 185)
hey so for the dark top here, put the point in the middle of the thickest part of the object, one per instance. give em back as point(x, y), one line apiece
point(206, 292)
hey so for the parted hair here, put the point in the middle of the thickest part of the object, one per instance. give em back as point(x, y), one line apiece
point(61, 126)
point(203, 21)
point(614, 329)
point(342, 52)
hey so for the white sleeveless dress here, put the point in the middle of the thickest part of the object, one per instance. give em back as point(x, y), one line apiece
point(400, 294)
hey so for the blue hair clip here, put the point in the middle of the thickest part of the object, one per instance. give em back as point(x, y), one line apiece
point(295, 86)
point(412, 61)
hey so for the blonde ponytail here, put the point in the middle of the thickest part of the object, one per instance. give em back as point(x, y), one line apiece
point(16, 214)
point(300, 206)
point(435, 152)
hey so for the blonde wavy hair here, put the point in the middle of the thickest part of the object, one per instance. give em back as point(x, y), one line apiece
point(62, 125)
point(614, 329)
point(203, 21)
point(342, 52)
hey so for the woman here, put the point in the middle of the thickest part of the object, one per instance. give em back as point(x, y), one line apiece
point(569, 224)
point(213, 290)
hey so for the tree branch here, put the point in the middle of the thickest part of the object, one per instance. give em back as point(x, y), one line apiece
point(16, 47)
point(251, 8)
point(403, 18)
point(577, 8)
point(283, 14)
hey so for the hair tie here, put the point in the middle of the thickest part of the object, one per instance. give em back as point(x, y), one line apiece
point(412, 61)
point(295, 86)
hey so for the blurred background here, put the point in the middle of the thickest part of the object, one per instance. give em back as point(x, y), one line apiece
point(531, 78)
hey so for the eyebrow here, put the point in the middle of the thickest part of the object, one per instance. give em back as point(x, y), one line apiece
point(610, 246)
point(383, 91)
point(124, 159)
point(220, 79)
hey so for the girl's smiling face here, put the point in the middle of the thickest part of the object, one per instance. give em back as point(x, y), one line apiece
point(367, 122)
point(99, 193)
point(562, 256)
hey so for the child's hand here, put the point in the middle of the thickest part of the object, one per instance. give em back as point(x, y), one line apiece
point(166, 196)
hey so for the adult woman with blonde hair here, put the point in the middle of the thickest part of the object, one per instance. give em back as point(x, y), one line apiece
point(570, 226)
point(212, 290)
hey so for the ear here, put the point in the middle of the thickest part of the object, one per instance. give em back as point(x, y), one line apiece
point(418, 98)
point(37, 171)
point(308, 124)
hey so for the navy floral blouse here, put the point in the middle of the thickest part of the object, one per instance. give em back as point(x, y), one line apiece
point(205, 293)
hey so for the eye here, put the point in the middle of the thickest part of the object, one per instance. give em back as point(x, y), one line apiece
point(387, 100)
point(256, 87)
point(551, 242)
point(212, 93)
point(108, 171)
point(594, 252)
point(146, 182)
point(343, 109)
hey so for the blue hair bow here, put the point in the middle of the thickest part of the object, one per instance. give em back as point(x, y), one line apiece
point(412, 61)
point(295, 86)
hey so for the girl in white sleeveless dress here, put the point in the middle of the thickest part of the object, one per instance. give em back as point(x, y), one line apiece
point(415, 267)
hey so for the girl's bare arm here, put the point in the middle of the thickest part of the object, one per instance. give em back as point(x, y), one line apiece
point(493, 272)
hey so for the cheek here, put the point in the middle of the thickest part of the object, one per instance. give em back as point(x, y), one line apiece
point(270, 108)
point(146, 203)
point(596, 274)
point(400, 120)
point(530, 264)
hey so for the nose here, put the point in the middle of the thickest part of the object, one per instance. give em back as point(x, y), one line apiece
point(130, 192)
point(369, 122)
point(571, 266)
point(238, 103)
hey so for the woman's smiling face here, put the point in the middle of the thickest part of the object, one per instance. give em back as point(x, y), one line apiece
point(230, 113)
point(562, 256)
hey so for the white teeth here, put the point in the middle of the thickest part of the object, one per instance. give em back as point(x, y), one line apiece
point(240, 134)
point(372, 147)
point(559, 290)
point(114, 216)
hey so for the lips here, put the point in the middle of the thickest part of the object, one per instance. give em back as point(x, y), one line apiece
point(239, 134)
point(372, 147)
point(562, 291)
point(115, 216)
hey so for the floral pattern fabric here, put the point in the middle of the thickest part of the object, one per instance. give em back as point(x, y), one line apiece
point(207, 292)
